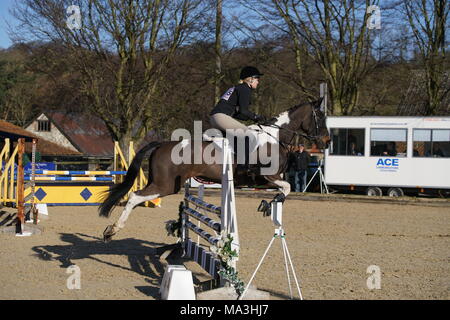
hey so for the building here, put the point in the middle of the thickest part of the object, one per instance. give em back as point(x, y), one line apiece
point(48, 151)
point(87, 135)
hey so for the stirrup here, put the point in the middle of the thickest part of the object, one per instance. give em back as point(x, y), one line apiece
point(254, 169)
point(241, 169)
point(250, 170)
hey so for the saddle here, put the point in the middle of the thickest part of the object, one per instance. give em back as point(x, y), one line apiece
point(247, 169)
point(263, 134)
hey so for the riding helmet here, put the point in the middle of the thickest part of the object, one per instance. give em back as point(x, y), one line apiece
point(249, 71)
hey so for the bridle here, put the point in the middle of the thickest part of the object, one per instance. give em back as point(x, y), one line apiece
point(295, 133)
point(287, 146)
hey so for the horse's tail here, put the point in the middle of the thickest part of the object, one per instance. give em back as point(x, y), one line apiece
point(119, 190)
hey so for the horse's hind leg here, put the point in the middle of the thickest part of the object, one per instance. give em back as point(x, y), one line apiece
point(135, 199)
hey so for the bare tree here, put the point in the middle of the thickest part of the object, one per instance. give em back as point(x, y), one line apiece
point(121, 51)
point(19, 103)
point(18, 88)
point(218, 51)
point(333, 34)
point(429, 20)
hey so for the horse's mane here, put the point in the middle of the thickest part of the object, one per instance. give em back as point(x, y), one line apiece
point(292, 109)
point(304, 104)
point(296, 107)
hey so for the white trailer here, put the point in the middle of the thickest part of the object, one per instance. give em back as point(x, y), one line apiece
point(389, 155)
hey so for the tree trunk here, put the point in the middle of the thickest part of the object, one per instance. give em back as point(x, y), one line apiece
point(218, 52)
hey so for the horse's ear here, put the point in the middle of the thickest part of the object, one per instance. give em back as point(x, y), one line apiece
point(318, 104)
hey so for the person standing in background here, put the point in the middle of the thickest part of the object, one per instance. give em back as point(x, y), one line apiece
point(300, 160)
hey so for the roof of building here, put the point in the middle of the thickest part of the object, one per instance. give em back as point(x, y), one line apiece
point(88, 134)
point(9, 130)
point(45, 147)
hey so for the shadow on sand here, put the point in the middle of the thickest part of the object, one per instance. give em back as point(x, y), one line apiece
point(142, 256)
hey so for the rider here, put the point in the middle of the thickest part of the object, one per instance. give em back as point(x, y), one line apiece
point(235, 102)
point(234, 105)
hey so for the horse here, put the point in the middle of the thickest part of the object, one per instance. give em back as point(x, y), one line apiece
point(166, 178)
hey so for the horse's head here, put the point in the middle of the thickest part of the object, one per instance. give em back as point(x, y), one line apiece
point(310, 121)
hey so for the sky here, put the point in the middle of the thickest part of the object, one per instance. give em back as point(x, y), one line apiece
point(5, 17)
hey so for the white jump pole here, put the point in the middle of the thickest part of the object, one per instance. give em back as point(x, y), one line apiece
point(228, 205)
point(200, 194)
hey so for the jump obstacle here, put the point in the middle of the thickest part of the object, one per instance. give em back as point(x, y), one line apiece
point(208, 259)
point(204, 213)
point(62, 187)
point(27, 189)
point(16, 191)
point(72, 188)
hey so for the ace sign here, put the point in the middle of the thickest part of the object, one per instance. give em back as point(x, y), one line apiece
point(388, 164)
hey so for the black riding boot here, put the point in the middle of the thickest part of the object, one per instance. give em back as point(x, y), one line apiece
point(246, 168)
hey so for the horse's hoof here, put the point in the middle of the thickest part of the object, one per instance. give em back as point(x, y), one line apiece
point(108, 234)
point(264, 207)
point(279, 198)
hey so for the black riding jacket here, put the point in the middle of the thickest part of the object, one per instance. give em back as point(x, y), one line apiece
point(235, 103)
point(299, 160)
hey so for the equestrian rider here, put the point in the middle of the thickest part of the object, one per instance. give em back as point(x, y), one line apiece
point(234, 104)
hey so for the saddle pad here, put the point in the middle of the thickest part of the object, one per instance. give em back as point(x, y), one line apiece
point(264, 134)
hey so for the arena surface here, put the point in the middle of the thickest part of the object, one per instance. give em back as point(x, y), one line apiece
point(331, 243)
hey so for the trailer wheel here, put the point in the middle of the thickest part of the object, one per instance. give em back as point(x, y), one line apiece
point(374, 192)
point(395, 192)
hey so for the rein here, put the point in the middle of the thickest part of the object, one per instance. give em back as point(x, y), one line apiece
point(287, 145)
point(295, 133)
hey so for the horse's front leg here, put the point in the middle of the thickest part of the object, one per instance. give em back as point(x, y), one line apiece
point(283, 186)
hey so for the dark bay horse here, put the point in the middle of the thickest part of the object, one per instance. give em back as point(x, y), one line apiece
point(166, 178)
